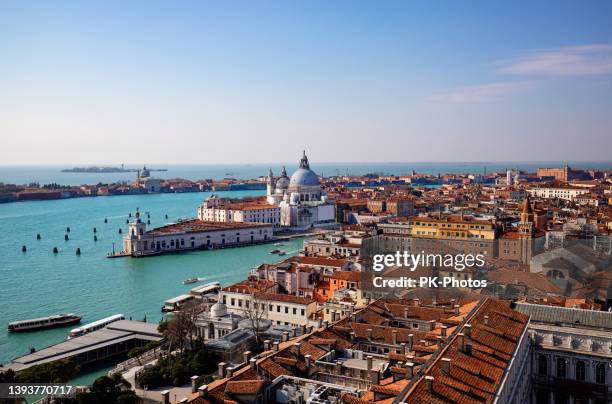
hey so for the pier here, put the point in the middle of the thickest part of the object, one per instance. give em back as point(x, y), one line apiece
point(115, 339)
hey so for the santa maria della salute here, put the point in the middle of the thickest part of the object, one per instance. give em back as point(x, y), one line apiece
point(302, 203)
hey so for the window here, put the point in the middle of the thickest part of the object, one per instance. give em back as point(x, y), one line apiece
point(580, 370)
point(600, 373)
point(295, 310)
point(278, 309)
point(302, 312)
point(286, 310)
point(542, 365)
point(561, 367)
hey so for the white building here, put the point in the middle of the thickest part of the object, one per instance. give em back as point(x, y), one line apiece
point(223, 210)
point(302, 203)
point(190, 235)
point(566, 193)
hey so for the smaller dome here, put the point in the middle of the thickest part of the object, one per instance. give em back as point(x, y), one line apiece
point(218, 310)
point(281, 184)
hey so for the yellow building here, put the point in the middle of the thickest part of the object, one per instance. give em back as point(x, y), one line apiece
point(452, 227)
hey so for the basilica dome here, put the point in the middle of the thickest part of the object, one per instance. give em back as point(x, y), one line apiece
point(304, 175)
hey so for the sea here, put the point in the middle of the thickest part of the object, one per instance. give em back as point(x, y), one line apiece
point(54, 174)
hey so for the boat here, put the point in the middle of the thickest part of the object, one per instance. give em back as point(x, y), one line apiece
point(96, 325)
point(176, 303)
point(275, 251)
point(56, 320)
point(282, 252)
point(278, 244)
point(190, 280)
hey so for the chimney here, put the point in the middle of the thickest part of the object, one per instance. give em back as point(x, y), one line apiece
point(456, 309)
point(194, 384)
point(405, 312)
point(352, 335)
point(165, 397)
point(418, 302)
point(375, 375)
point(369, 362)
point(461, 342)
point(409, 370)
point(183, 400)
point(468, 349)
point(222, 368)
point(443, 330)
point(246, 355)
point(285, 336)
point(253, 363)
point(440, 340)
point(203, 390)
point(429, 383)
point(410, 341)
point(267, 344)
point(403, 348)
point(486, 320)
point(394, 337)
point(307, 360)
point(296, 349)
point(325, 324)
point(369, 334)
point(303, 329)
point(467, 330)
point(446, 365)
point(230, 372)
point(432, 325)
point(276, 344)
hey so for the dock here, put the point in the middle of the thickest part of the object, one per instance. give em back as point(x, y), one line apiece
point(115, 339)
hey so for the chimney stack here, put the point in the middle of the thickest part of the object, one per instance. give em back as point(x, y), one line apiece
point(369, 334)
point(405, 312)
point(375, 374)
point(253, 363)
point(394, 337)
point(246, 355)
point(165, 397)
point(409, 370)
point(203, 390)
point(486, 320)
point(446, 365)
point(369, 362)
point(194, 384)
point(352, 335)
point(467, 330)
point(230, 372)
point(296, 349)
point(267, 345)
point(429, 383)
point(403, 348)
point(461, 342)
point(275, 345)
point(222, 368)
point(307, 360)
point(468, 349)
point(443, 330)
point(410, 341)
point(456, 309)
point(285, 336)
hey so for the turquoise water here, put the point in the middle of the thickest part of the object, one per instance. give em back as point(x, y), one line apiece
point(39, 283)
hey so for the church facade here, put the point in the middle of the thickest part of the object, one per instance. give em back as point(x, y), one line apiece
point(302, 202)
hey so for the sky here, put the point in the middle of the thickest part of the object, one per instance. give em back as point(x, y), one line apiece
point(199, 82)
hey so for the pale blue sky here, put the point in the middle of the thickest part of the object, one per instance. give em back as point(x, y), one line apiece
point(231, 82)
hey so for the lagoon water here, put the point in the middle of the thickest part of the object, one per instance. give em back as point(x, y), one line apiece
point(39, 283)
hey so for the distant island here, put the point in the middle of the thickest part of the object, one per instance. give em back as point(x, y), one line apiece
point(96, 169)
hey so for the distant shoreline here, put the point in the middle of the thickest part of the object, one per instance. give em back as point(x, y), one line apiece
point(106, 170)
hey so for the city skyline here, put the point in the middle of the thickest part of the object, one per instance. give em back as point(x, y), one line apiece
point(201, 83)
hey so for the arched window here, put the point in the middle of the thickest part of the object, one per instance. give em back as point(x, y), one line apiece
point(600, 373)
point(542, 365)
point(580, 370)
point(561, 367)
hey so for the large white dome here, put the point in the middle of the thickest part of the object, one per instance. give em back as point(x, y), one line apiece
point(304, 175)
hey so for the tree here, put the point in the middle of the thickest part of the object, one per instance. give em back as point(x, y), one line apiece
point(255, 311)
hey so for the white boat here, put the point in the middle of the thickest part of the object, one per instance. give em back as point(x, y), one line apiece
point(282, 252)
point(176, 302)
point(96, 325)
point(57, 320)
point(278, 244)
point(275, 251)
point(190, 280)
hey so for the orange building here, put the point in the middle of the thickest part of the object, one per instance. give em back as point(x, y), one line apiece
point(338, 280)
